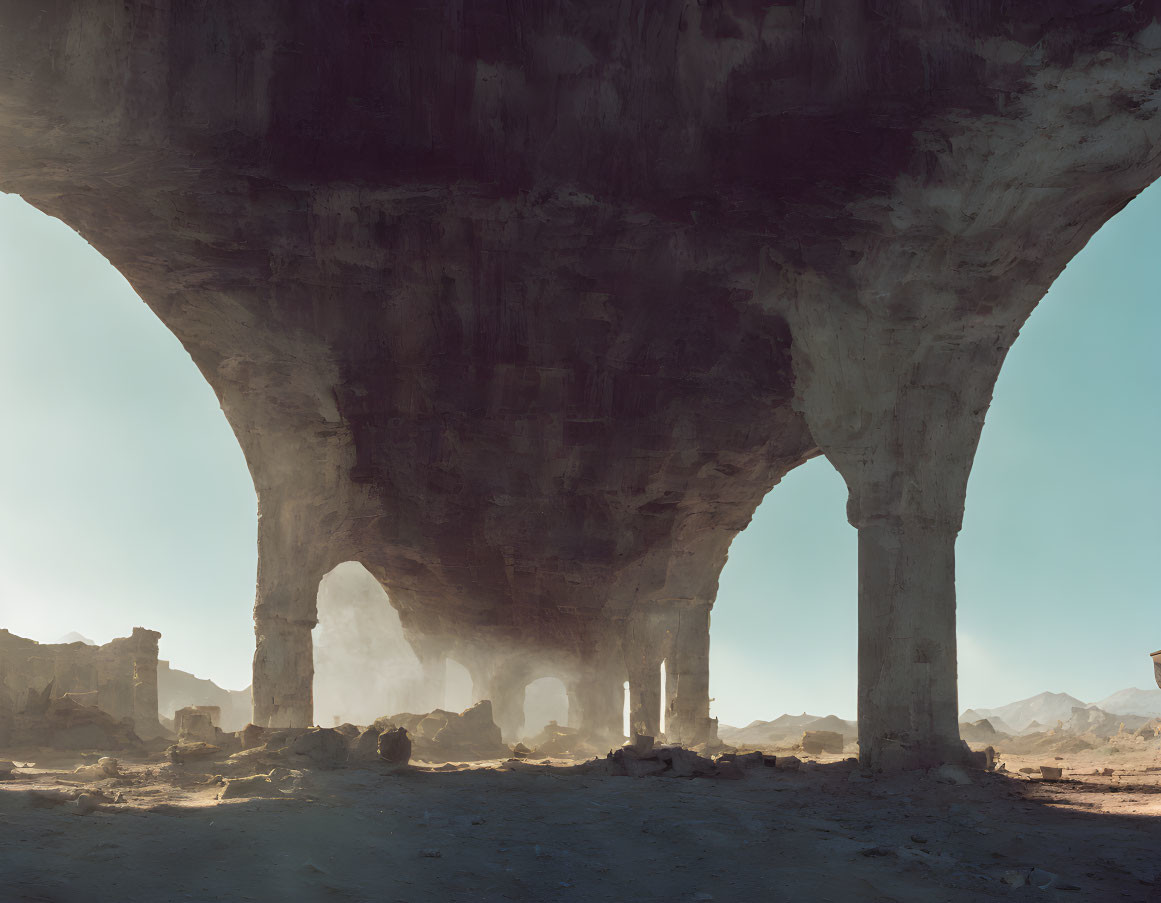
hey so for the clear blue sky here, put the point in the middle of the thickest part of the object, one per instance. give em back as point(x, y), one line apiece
point(125, 500)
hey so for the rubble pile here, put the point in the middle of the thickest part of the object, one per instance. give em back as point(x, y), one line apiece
point(641, 757)
point(442, 736)
point(63, 723)
point(558, 742)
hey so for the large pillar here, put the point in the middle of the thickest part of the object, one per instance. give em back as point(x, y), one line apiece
point(600, 695)
point(144, 675)
point(645, 698)
point(646, 645)
point(285, 613)
point(1157, 667)
point(434, 668)
point(687, 678)
point(899, 415)
point(502, 681)
point(431, 693)
point(507, 695)
point(599, 691)
point(283, 689)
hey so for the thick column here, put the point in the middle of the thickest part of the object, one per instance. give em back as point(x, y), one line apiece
point(285, 613)
point(145, 719)
point(645, 699)
point(646, 644)
point(899, 415)
point(434, 681)
point(283, 689)
point(507, 695)
point(502, 682)
point(599, 691)
point(908, 697)
point(601, 699)
point(687, 678)
point(1157, 667)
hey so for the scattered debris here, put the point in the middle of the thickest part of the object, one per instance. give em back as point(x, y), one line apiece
point(106, 767)
point(180, 753)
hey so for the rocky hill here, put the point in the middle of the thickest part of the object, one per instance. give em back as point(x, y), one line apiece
point(177, 689)
point(784, 729)
point(1133, 701)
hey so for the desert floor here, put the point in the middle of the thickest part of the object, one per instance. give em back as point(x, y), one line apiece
point(545, 833)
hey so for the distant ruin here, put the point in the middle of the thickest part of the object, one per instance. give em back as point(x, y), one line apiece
point(119, 678)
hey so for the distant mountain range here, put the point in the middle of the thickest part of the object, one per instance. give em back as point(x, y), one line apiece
point(1043, 711)
point(784, 729)
point(1037, 713)
point(1133, 702)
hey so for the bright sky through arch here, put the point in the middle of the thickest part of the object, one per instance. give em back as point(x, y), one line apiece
point(125, 500)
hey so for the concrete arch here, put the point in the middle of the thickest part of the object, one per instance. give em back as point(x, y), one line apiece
point(625, 403)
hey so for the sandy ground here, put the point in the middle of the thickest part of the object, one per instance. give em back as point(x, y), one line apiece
point(824, 833)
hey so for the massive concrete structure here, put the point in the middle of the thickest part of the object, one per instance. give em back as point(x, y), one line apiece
point(527, 307)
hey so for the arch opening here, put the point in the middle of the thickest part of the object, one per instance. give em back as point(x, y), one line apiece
point(123, 465)
point(545, 701)
point(626, 718)
point(664, 700)
point(364, 667)
point(459, 692)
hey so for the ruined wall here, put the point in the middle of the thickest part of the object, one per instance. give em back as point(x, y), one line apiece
point(122, 673)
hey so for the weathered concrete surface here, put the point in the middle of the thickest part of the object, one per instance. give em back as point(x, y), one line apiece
point(119, 678)
point(527, 310)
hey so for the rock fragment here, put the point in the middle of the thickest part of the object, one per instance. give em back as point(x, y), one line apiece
point(323, 747)
point(815, 743)
point(395, 746)
point(180, 753)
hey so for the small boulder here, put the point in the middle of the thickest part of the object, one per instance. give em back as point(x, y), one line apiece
point(323, 747)
point(684, 762)
point(106, 767)
point(253, 736)
point(365, 747)
point(815, 743)
point(395, 746)
point(951, 774)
